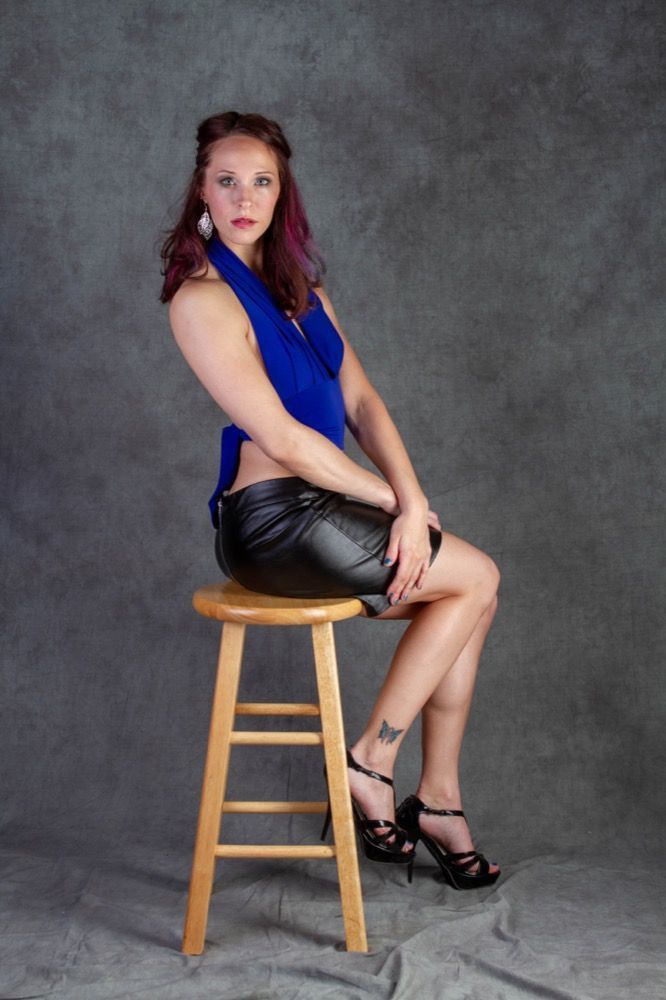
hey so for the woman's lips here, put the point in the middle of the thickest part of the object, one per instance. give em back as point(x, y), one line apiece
point(243, 223)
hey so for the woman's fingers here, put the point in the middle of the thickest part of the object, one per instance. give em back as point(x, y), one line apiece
point(396, 586)
point(391, 553)
point(409, 572)
point(422, 575)
point(410, 553)
point(393, 549)
point(433, 520)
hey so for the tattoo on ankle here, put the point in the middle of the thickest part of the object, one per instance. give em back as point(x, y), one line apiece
point(387, 734)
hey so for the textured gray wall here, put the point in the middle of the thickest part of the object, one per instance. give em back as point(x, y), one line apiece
point(486, 181)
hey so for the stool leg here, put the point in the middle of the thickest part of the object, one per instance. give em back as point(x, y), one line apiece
point(214, 786)
point(338, 785)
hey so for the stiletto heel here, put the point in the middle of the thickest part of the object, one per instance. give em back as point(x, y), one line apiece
point(376, 846)
point(454, 869)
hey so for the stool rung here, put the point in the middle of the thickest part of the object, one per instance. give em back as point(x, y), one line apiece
point(274, 851)
point(276, 708)
point(235, 607)
point(246, 737)
point(274, 807)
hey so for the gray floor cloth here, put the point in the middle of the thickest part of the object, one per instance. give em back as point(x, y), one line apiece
point(554, 926)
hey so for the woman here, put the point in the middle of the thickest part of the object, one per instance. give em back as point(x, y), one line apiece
point(294, 514)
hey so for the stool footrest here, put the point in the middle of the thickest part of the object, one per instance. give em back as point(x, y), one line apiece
point(250, 737)
point(274, 807)
point(276, 708)
point(274, 851)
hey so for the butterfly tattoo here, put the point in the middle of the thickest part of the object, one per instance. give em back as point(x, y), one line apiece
point(387, 734)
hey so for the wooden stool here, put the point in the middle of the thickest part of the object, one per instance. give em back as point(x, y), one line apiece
point(236, 607)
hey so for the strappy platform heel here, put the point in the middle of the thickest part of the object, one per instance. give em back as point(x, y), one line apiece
point(377, 846)
point(454, 869)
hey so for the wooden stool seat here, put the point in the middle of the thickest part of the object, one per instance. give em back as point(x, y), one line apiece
point(237, 607)
point(229, 602)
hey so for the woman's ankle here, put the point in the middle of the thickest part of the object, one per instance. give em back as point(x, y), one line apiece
point(440, 795)
point(374, 757)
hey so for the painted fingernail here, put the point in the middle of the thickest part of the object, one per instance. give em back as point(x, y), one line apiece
point(390, 597)
point(405, 596)
point(387, 561)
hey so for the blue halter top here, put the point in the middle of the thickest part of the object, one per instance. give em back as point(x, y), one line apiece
point(304, 372)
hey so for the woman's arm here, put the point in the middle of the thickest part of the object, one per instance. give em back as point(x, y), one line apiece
point(372, 426)
point(210, 329)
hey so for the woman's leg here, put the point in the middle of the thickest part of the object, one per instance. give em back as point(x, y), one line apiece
point(433, 668)
point(443, 721)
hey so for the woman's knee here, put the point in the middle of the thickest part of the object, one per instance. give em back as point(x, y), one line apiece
point(482, 579)
point(489, 613)
point(488, 579)
point(461, 569)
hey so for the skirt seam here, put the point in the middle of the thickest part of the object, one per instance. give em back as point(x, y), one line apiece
point(350, 537)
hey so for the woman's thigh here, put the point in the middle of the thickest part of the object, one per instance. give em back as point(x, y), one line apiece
point(458, 568)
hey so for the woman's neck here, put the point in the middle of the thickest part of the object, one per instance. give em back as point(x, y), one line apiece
point(251, 255)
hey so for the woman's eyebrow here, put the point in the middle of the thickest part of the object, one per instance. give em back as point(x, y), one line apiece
point(223, 170)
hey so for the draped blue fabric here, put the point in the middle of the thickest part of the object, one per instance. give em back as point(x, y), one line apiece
point(304, 372)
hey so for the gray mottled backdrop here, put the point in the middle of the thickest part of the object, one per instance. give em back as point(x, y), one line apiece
point(486, 182)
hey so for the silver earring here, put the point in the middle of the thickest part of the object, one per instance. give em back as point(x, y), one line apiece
point(205, 224)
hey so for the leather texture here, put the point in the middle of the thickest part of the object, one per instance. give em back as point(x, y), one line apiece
point(289, 537)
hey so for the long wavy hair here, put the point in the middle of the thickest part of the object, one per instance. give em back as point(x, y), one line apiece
point(292, 264)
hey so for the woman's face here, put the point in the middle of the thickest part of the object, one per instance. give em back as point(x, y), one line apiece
point(241, 182)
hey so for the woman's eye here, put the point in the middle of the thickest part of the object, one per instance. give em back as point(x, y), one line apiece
point(262, 181)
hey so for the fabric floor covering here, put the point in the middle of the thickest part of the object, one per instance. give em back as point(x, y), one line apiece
point(554, 926)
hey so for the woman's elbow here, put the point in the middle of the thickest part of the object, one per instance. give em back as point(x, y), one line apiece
point(281, 443)
point(364, 413)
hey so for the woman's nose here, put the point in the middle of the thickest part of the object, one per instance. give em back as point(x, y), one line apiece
point(244, 196)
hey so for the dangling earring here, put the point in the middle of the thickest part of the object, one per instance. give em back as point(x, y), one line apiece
point(205, 224)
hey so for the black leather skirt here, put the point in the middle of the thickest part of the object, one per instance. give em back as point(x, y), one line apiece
point(287, 537)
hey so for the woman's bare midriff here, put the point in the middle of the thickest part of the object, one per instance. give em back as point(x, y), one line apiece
point(255, 465)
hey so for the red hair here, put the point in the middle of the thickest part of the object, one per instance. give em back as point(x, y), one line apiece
point(291, 261)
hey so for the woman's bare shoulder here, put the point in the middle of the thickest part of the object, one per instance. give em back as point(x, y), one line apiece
point(202, 285)
point(207, 272)
point(204, 291)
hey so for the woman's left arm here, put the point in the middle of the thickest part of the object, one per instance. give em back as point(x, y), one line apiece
point(371, 424)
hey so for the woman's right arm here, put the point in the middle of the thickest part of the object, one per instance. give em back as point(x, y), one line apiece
point(210, 330)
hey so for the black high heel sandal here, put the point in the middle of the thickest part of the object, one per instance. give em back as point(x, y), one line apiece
point(377, 846)
point(454, 869)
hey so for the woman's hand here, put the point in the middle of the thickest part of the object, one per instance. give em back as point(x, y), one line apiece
point(409, 546)
point(433, 520)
